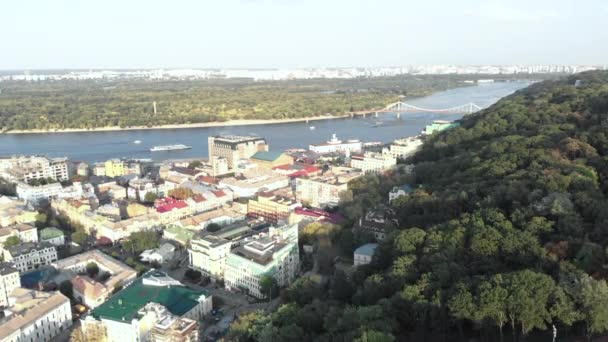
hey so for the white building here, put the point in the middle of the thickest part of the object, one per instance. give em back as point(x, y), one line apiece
point(403, 148)
point(131, 314)
point(399, 191)
point(28, 256)
point(35, 316)
point(253, 181)
point(363, 255)
point(322, 191)
point(372, 162)
point(336, 145)
point(25, 169)
point(160, 255)
point(9, 280)
point(34, 194)
point(274, 255)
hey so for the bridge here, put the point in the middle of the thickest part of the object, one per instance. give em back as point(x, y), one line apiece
point(402, 107)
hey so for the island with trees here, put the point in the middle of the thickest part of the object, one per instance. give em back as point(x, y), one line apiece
point(90, 104)
point(504, 237)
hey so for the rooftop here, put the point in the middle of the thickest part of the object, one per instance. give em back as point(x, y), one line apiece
point(50, 233)
point(267, 156)
point(367, 249)
point(124, 305)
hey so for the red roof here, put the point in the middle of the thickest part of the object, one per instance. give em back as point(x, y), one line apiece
point(198, 198)
point(282, 167)
point(320, 214)
point(219, 193)
point(178, 204)
point(207, 179)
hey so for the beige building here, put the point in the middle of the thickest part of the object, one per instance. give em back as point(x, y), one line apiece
point(222, 216)
point(91, 292)
point(403, 148)
point(271, 207)
point(9, 280)
point(25, 233)
point(175, 329)
point(249, 183)
point(372, 162)
point(325, 190)
point(35, 316)
point(233, 148)
point(14, 212)
point(208, 255)
point(25, 169)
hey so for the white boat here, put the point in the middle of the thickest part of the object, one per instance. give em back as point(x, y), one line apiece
point(137, 142)
point(312, 127)
point(170, 147)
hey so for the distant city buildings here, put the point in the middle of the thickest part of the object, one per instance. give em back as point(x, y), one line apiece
point(299, 73)
point(405, 147)
point(26, 169)
point(373, 162)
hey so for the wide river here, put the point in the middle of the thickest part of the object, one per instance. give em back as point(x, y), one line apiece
point(99, 146)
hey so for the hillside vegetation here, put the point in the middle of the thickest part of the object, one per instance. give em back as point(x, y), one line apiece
point(91, 104)
point(506, 234)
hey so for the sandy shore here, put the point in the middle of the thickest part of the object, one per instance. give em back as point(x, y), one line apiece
point(195, 125)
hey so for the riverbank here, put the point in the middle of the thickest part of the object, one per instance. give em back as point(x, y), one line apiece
point(178, 126)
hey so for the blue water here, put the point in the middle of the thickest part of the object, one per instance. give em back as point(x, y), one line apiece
point(99, 146)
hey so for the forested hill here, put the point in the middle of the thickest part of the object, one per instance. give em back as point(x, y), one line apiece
point(506, 234)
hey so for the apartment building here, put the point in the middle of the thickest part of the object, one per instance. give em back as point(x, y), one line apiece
point(35, 194)
point(324, 191)
point(272, 208)
point(233, 147)
point(25, 169)
point(249, 183)
point(373, 162)
point(28, 256)
point(403, 148)
point(14, 212)
point(9, 280)
point(35, 316)
point(24, 232)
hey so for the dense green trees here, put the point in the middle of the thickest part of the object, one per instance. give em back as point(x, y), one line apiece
point(505, 235)
point(89, 104)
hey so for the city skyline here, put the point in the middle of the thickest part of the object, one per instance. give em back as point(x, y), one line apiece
point(298, 34)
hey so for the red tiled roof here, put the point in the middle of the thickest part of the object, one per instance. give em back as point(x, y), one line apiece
point(170, 206)
point(321, 214)
point(207, 179)
point(219, 193)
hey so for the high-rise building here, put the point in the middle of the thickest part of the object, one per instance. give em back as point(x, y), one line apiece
point(233, 147)
point(26, 169)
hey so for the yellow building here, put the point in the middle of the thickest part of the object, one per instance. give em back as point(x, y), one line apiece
point(114, 168)
point(271, 207)
point(268, 160)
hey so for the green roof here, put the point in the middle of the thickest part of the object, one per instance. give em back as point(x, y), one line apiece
point(182, 235)
point(50, 233)
point(267, 156)
point(124, 305)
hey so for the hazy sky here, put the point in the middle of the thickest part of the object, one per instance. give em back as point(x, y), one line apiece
point(299, 33)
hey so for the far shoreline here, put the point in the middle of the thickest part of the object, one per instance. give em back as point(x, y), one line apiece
point(250, 122)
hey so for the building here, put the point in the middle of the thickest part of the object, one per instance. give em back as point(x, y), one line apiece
point(35, 316)
point(132, 313)
point(219, 166)
point(363, 255)
point(250, 182)
point(117, 230)
point(399, 191)
point(35, 194)
point(28, 256)
point(373, 162)
point(82, 169)
point(307, 215)
point(171, 210)
point(111, 191)
point(377, 223)
point(208, 252)
point(271, 159)
point(164, 253)
point(223, 216)
point(270, 256)
point(233, 148)
point(336, 145)
point(99, 169)
point(403, 148)
point(438, 126)
point(114, 168)
point(25, 169)
point(271, 207)
point(24, 232)
point(15, 212)
point(52, 235)
point(175, 329)
point(178, 234)
point(94, 292)
point(9, 280)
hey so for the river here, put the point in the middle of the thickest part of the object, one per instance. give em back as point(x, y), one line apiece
point(100, 146)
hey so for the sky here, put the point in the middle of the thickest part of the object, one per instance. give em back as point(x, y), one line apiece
point(43, 34)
